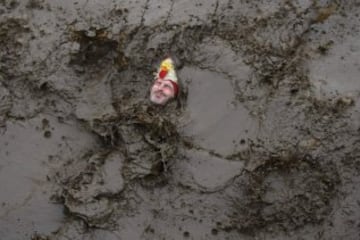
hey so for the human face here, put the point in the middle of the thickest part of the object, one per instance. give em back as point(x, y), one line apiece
point(161, 92)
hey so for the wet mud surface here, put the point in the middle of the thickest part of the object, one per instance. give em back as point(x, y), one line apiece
point(263, 142)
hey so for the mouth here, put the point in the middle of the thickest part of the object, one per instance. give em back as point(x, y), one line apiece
point(158, 97)
point(159, 94)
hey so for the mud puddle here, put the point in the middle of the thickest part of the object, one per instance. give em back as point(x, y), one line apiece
point(262, 143)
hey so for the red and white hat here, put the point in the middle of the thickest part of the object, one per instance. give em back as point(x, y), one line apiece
point(167, 72)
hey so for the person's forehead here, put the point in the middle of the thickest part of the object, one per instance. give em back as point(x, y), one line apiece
point(164, 81)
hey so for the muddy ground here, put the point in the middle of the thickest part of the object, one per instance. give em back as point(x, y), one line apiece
point(262, 144)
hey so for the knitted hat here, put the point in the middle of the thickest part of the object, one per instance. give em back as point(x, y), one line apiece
point(167, 72)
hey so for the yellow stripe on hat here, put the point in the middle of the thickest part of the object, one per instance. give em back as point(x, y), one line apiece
point(167, 64)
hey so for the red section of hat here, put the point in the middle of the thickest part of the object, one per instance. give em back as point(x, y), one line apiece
point(176, 88)
point(162, 73)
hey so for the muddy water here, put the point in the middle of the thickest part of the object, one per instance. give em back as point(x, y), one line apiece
point(262, 143)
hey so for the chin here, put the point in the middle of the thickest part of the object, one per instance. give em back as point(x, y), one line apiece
point(159, 101)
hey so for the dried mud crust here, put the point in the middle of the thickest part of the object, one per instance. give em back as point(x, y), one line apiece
point(284, 194)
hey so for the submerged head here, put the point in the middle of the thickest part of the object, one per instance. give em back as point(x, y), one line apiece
point(165, 86)
point(162, 91)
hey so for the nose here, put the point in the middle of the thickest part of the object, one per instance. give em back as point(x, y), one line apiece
point(160, 86)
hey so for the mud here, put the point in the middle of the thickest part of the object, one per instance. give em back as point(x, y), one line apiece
point(263, 142)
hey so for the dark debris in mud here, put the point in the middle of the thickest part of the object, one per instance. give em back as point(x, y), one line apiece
point(14, 34)
point(94, 47)
point(280, 188)
point(36, 4)
point(286, 193)
point(138, 147)
point(39, 237)
point(9, 4)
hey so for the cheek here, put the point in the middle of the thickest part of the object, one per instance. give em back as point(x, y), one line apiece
point(153, 88)
point(168, 92)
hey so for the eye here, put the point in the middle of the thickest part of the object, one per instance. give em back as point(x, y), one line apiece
point(157, 83)
point(167, 86)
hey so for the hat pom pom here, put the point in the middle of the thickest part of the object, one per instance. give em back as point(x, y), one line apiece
point(162, 73)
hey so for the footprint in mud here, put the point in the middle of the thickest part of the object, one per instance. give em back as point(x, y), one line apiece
point(136, 148)
point(284, 194)
point(88, 186)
